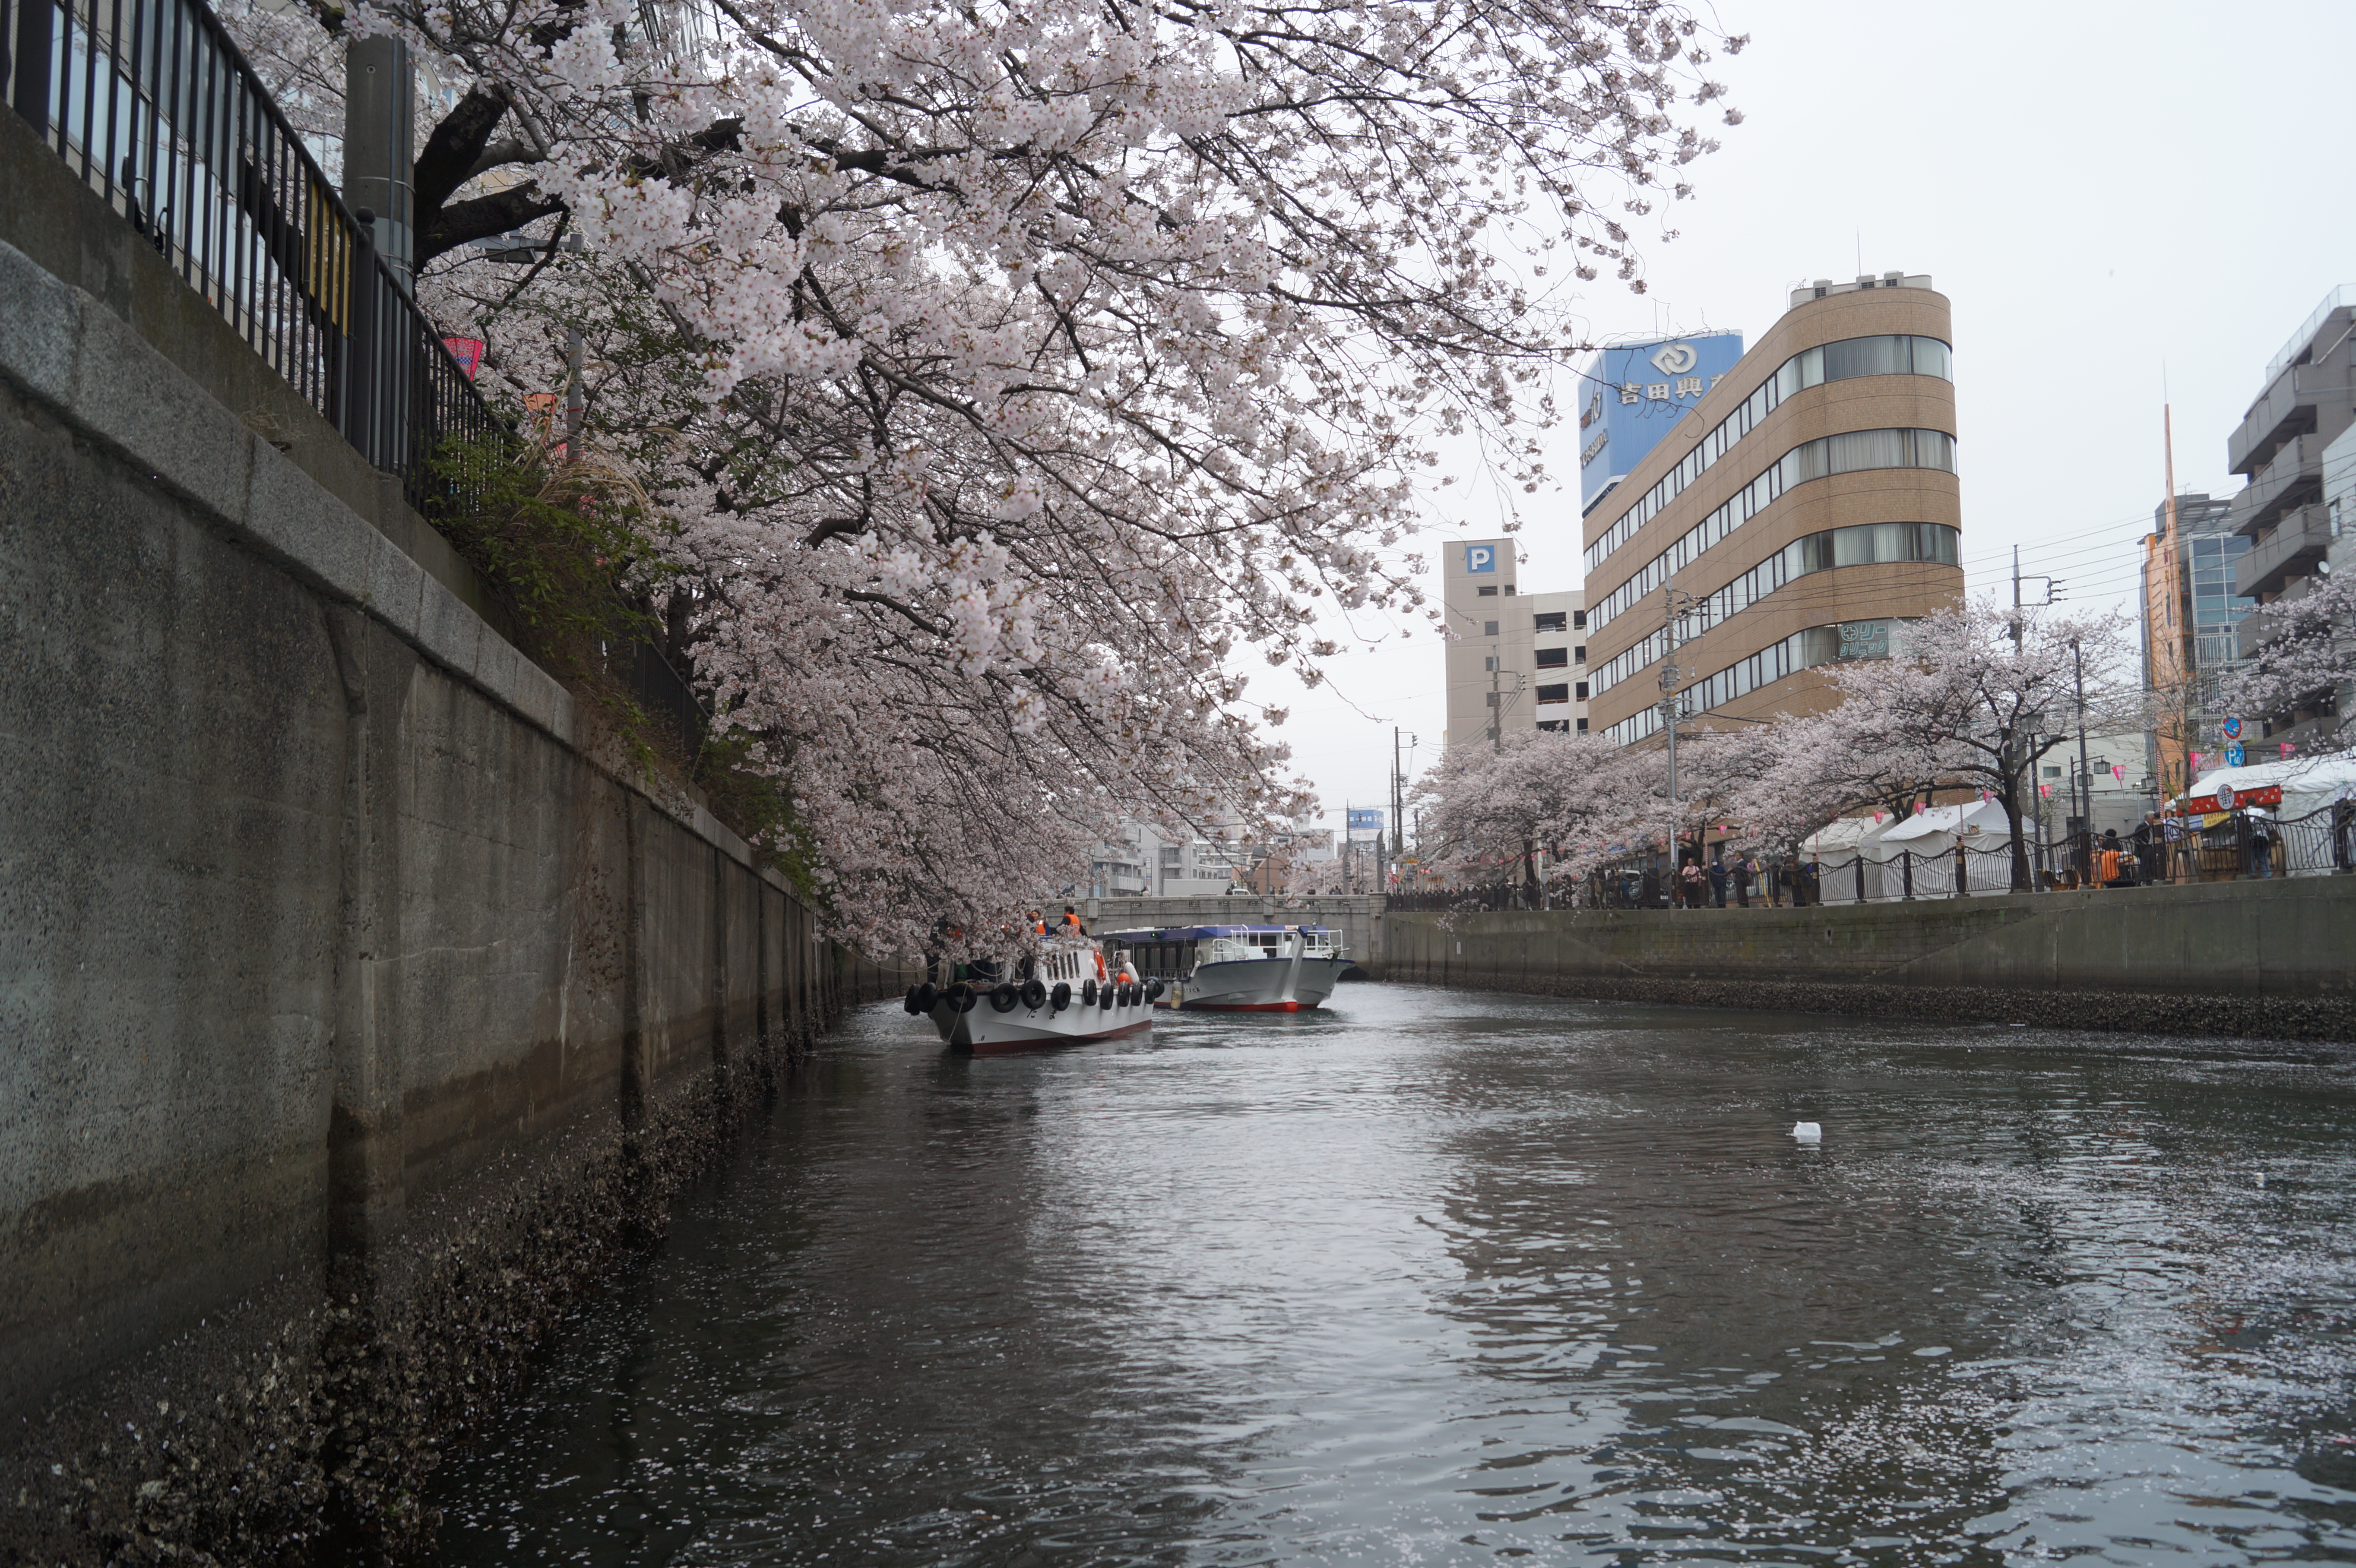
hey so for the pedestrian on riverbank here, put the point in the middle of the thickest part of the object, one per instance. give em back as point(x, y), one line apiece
point(2262, 847)
point(1717, 877)
point(2110, 861)
point(2148, 848)
point(1745, 869)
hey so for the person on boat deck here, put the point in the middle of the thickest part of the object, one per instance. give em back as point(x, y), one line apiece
point(1038, 925)
point(1072, 927)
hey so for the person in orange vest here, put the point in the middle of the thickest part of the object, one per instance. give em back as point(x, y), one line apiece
point(1038, 926)
point(1072, 927)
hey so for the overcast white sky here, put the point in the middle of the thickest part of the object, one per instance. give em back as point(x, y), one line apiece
point(2109, 194)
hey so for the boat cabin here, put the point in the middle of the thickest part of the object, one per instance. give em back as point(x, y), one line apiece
point(1175, 953)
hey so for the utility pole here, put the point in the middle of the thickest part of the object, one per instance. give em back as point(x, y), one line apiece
point(2016, 599)
point(1496, 707)
point(380, 152)
point(2086, 779)
point(1671, 677)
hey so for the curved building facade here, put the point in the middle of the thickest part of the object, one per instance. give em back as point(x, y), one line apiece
point(1801, 513)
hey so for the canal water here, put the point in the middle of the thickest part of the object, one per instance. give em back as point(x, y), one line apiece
point(1439, 1277)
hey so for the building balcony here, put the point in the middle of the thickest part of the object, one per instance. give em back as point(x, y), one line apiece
point(2301, 539)
point(2294, 477)
point(2249, 632)
point(2283, 411)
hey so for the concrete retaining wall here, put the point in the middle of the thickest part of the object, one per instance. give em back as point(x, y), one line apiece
point(356, 1001)
point(2270, 958)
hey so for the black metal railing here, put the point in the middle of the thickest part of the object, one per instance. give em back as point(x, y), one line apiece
point(661, 692)
point(152, 105)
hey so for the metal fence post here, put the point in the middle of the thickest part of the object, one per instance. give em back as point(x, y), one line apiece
point(36, 21)
point(1906, 870)
point(361, 357)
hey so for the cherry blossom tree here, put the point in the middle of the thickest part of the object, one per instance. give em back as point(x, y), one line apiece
point(2306, 659)
point(1491, 812)
point(1978, 693)
point(1010, 379)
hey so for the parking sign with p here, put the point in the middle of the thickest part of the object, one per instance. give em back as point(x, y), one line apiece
point(1480, 557)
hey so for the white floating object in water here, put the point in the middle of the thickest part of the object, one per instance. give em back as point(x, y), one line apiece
point(1808, 1132)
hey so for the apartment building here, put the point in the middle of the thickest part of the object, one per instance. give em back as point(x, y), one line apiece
point(1516, 661)
point(1800, 515)
point(2190, 616)
point(2307, 405)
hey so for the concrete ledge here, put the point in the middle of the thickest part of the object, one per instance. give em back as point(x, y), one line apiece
point(2268, 957)
point(2104, 1013)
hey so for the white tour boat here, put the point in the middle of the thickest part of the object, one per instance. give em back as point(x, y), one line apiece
point(1063, 995)
point(1238, 968)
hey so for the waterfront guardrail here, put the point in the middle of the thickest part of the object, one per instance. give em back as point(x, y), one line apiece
point(153, 106)
point(2236, 846)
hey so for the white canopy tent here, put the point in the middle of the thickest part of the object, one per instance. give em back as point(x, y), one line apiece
point(2296, 792)
point(1836, 847)
point(1931, 835)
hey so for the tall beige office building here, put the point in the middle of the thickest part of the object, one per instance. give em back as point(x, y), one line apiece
point(1520, 657)
point(1802, 512)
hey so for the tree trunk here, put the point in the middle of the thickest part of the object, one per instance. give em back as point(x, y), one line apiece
point(2010, 796)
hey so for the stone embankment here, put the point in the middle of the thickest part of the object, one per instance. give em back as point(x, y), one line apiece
point(2269, 959)
point(359, 1001)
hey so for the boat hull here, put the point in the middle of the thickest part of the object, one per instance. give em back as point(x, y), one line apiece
point(986, 1031)
point(1259, 985)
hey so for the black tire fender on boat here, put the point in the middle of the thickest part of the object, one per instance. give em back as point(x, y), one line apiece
point(1034, 994)
point(1104, 996)
point(1089, 992)
point(920, 998)
point(1004, 996)
point(1153, 989)
point(1062, 995)
point(908, 1002)
point(962, 997)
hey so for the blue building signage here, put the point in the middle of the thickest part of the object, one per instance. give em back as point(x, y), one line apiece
point(1480, 557)
point(1634, 395)
point(1366, 823)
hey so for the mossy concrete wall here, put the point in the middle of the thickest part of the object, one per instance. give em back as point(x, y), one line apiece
point(357, 999)
point(2274, 957)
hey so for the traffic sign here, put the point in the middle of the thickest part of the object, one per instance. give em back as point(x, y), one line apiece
point(2233, 756)
point(2233, 730)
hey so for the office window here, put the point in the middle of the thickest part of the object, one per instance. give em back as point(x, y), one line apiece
point(1488, 590)
point(1549, 620)
point(1579, 619)
point(1581, 691)
point(1583, 726)
point(1509, 591)
point(1554, 693)
point(1488, 628)
point(1554, 658)
point(1579, 652)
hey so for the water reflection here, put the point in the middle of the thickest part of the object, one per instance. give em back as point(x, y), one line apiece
point(1441, 1277)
